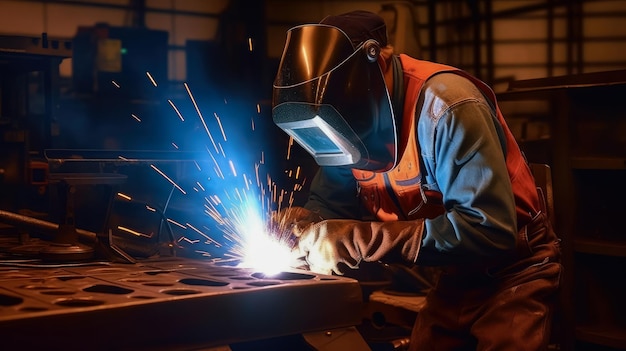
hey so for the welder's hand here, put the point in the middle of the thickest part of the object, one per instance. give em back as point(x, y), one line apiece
point(294, 219)
point(326, 244)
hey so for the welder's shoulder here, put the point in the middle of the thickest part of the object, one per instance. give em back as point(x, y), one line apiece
point(445, 90)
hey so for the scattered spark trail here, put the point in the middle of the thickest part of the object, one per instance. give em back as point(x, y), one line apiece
point(232, 167)
point(168, 179)
point(241, 217)
point(134, 232)
point(115, 83)
point(208, 238)
point(151, 79)
point(188, 240)
point(220, 124)
point(176, 110)
point(289, 148)
point(176, 223)
point(124, 196)
point(195, 105)
point(135, 117)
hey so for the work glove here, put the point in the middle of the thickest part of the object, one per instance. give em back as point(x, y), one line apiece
point(326, 244)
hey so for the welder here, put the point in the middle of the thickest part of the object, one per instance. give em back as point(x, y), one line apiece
point(417, 165)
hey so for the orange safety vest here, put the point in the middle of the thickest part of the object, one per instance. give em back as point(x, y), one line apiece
point(397, 194)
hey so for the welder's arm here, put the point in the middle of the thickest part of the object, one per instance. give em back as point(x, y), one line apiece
point(463, 155)
point(326, 244)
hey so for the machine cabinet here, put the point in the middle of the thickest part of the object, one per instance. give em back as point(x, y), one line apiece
point(577, 124)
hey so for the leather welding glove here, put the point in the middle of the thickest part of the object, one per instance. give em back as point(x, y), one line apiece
point(328, 243)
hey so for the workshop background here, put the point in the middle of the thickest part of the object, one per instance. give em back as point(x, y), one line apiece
point(81, 80)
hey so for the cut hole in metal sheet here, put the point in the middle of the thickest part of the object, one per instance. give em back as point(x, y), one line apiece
point(108, 289)
point(156, 272)
point(70, 277)
point(57, 292)
point(179, 292)
point(8, 300)
point(203, 282)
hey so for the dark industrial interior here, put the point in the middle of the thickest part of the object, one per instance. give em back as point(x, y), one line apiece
point(131, 133)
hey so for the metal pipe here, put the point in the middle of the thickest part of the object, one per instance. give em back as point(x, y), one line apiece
point(26, 222)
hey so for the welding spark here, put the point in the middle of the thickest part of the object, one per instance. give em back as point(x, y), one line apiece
point(134, 232)
point(246, 182)
point(115, 83)
point(222, 149)
point(151, 79)
point(176, 110)
point(289, 148)
point(218, 169)
point(241, 218)
point(232, 167)
point(124, 196)
point(195, 105)
point(263, 251)
point(176, 223)
point(208, 238)
point(168, 179)
point(188, 240)
point(220, 124)
point(203, 253)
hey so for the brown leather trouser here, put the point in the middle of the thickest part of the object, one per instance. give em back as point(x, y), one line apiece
point(504, 308)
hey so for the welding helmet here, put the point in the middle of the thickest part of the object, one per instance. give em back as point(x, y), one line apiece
point(330, 95)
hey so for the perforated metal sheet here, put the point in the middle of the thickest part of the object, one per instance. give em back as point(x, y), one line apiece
point(165, 304)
